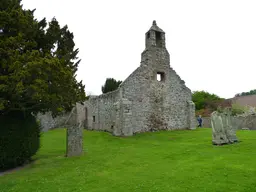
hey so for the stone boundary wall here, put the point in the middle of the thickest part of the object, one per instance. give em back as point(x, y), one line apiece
point(206, 122)
point(242, 122)
point(47, 122)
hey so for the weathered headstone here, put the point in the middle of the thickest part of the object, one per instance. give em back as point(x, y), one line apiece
point(74, 141)
point(191, 115)
point(222, 129)
point(218, 134)
point(74, 126)
point(228, 126)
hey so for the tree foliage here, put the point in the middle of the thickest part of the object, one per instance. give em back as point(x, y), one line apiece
point(235, 108)
point(251, 92)
point(38, 63)
point(203, 99)
point(110, 85)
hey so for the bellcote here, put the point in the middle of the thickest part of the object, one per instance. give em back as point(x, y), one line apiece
point(155, 36)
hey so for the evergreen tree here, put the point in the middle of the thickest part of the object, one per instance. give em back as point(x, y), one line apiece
point(37, 65)
point(110, 85)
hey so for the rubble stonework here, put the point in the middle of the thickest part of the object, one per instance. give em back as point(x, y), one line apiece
point(143, 103)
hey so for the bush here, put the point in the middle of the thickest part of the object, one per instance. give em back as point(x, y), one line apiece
point(235, 109)
point(238, 109)
point(19, 139)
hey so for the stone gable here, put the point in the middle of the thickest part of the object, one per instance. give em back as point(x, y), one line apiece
point(152, 98)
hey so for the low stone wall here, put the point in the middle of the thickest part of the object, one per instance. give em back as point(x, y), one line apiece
point(245, 122)
point(47, 122)
point(241, 122)
point(207, 122)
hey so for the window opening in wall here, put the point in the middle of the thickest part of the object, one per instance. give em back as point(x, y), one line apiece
point(148, 35)
point(93, 118)
point(86, 117)
point(160, 76)
point(158, 39)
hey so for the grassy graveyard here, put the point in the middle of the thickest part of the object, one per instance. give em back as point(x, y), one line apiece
point(160, 161)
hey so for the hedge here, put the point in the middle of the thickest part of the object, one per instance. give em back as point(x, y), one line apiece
point(19, 139)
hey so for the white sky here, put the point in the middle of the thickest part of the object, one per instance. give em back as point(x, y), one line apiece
point(212, 43)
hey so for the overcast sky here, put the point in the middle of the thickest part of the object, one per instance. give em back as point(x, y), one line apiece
point(212, 43)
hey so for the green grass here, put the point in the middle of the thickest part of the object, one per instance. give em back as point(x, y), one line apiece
point(161, 161)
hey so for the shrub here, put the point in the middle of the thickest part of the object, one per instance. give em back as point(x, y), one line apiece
point(235, 109)
point(238, 109)
point(19, 139)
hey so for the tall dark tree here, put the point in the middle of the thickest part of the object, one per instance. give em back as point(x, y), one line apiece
point(110, 85)
point(38, 65)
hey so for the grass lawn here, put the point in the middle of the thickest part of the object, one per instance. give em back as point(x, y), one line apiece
point(160, 161)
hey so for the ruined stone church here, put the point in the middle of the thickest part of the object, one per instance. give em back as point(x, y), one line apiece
point(152, 98)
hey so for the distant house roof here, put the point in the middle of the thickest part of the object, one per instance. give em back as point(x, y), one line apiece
point(248, 100)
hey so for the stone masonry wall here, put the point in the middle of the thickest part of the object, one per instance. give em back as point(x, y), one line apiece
point(242, 122)
point(123, 122)
point(156, 104)
point(47, 122)
point(101, 111)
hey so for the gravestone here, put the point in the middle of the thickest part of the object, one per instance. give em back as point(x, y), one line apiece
point(228, 126)
point(74, 141)
point(222, 130)
point(75, 128)
point(191, 115)
point(218, 133)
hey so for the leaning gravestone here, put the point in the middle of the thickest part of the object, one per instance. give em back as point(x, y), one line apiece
point(228, 126)
point(74, 134)
point(218, 133)
point(222, 130)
